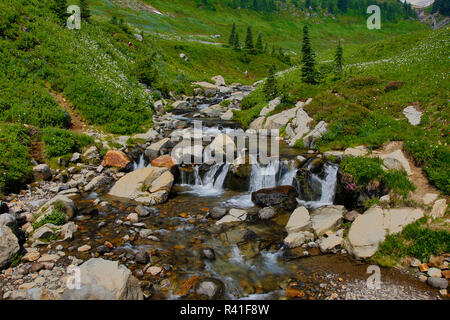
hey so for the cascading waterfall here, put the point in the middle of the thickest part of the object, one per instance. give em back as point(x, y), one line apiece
point(288, 174)
point(328, 187)
point(265, 176)
point(212, 182)
point(140, 164)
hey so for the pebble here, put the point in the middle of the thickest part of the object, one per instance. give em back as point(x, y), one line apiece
point(154, 271)
point(439, 283)
point(434, 272)
point(84, 248)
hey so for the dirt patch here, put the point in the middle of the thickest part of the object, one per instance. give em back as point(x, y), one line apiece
point(418, 176)
point(76, 121)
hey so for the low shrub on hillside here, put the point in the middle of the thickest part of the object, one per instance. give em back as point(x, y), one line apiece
point(365, 170)
point(59, 142)
point(15, 165)
point(416, 240)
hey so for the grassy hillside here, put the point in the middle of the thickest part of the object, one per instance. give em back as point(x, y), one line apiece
point(362, 110)
point(185, 20)
point(100, 69)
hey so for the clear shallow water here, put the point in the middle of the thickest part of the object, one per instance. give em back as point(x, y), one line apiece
point(250, 261)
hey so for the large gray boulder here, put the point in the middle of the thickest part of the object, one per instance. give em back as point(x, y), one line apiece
point(147, 186)
point(310, 139)
point(365, 234)
point(326, 218)
point(299, 220)
point(104, 280)
point(9, 245)
point(42, 172)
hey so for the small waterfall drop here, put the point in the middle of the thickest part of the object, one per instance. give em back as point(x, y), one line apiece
point(212, 183)
point(140, 164)
point(328, 187)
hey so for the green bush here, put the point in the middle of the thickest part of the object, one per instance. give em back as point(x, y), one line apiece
point(59, 142)
point(15, 165)
point(364, 170)
point(56, 217)
point(416, 240)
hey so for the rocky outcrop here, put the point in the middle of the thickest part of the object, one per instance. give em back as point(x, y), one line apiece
point(270, 107)
point(396, 219)
point(296, 239)
point(239, 174)
point(365, 233)
point(439, 208)
point(258, 123)
point(284, 197)
point(221, 148)
point(9, 246)
point(371, 228)
point(116, 159)
point(165, 161)
point(280, 119)
point(91, 156)
point(396, 161)
point(299, 220)
point(414, 116)
point(42, 172)
point(311, 138)
point(156, 149)
point(147, 186)
point(326, 218)
point(104, 280)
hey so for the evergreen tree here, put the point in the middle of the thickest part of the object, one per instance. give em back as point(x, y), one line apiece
point(232, 35)
point(60, 8)
point(236, 44)
point(259, 44)
point(308, 63)
point(342, 5)
point(145, 69)
point(338, 62)
point(84, 10)
point(270, 87)
point(249, 47)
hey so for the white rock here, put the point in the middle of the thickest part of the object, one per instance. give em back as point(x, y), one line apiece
point(258, 123)
point(227, 116)
point(439, 208)
point(299, 220)
point(365, 233)
point(9, 245)
point(271, 106)
point(358, 151)
point(430, 198)
point(326, 218)
point(330, 243)
point(414, 116)
point(396, 219)
point(434, 272)
point(104, 280)
point(296, 239)
point(396, 161)
point(310, 140)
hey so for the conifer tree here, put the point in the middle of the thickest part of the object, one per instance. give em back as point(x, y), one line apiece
point(249, 47)
point(236, 44)
point(84, 10)
point(232, 35)
point(259, 44)
point(271, 87)
point(308, 63)
point(338, 62)
point(60, 8)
